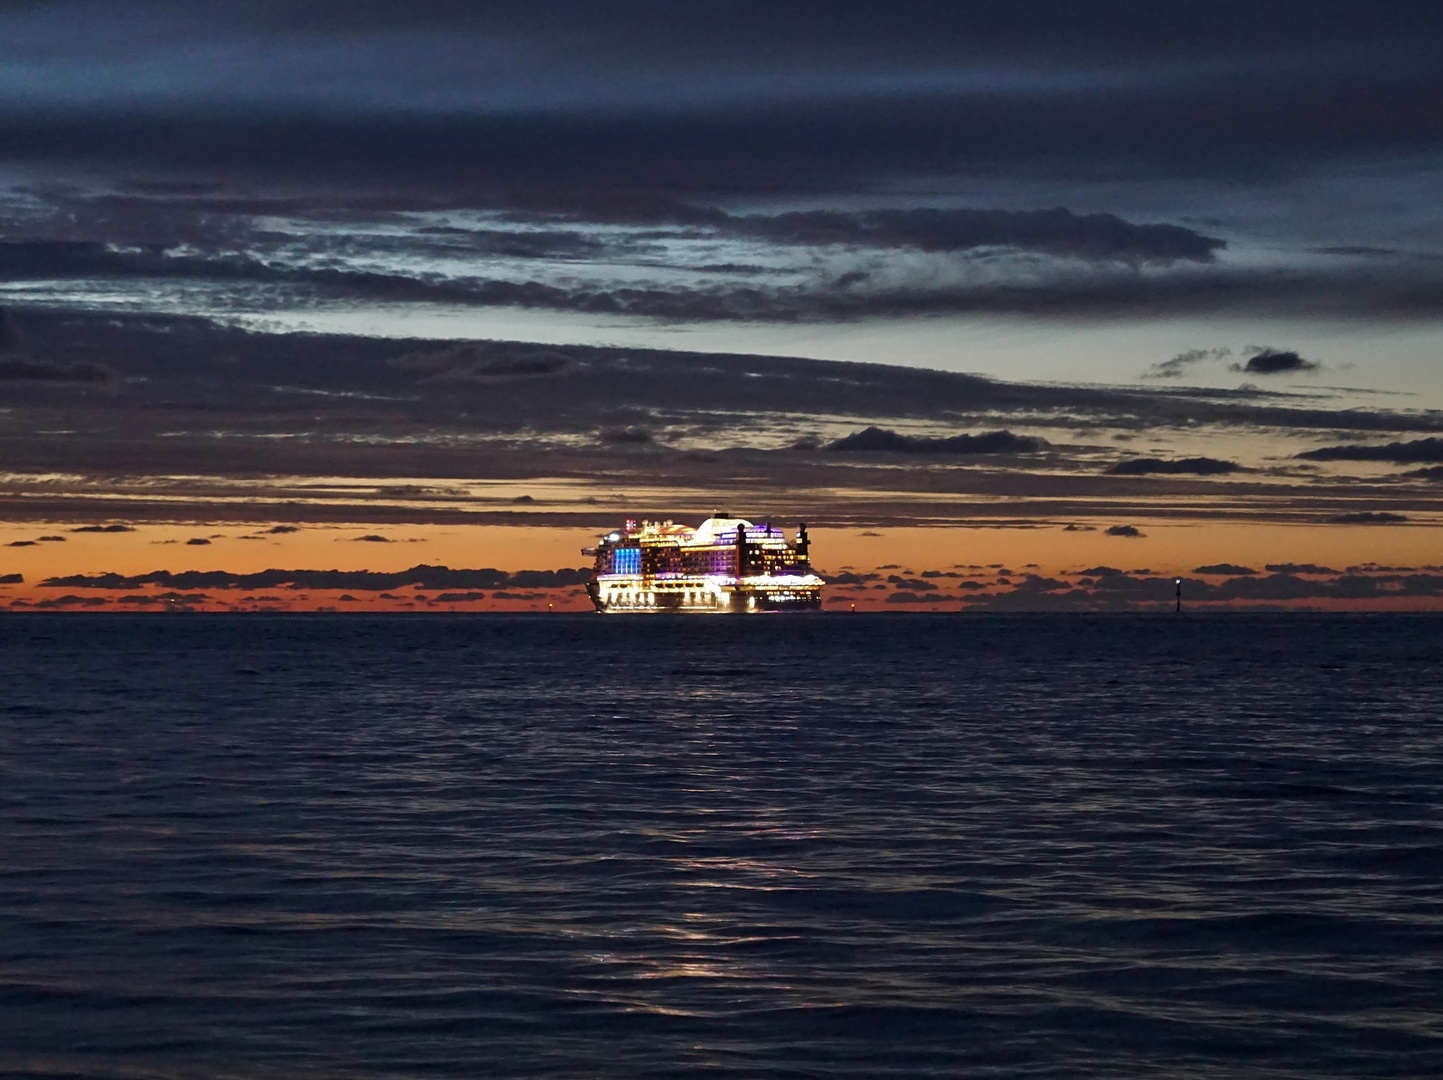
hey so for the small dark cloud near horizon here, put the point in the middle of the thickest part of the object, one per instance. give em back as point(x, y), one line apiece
point(69, 600)
point(635, 435)
point(1183, 362)
point(23, 369)
point(1433, 472)
point(911, 584)
point(1368, 517)
point(875, 439)
point(1356, 250)
point(1200, 466)
point(1225, 570)
point(1125, 530)
point(1418, 450)
point(197, 541)
point(278, 530)
point(372, 538)
point(103, 529)
point(23, 543)
point(1275, 362)
point(12, 579)
point(482, 362)
point(1299, 568)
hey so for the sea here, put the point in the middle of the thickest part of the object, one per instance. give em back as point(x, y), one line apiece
point(913, 845)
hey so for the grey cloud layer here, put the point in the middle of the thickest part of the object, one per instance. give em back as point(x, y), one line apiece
point(676, 277)
point(200, 423)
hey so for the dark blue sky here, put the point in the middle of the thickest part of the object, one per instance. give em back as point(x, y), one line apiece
point(720, 96)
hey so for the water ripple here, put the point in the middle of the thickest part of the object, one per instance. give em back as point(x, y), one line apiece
point(835, 846)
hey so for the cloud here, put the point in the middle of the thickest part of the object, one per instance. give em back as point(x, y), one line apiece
point(12, 579)
point(71, 600)
point(1201, 466)
point(624, 436)
point(483, 361)
point(1039, 284)
point(20, 369)
point(197, 541)
point(1430, 449)
point(164, 598)
point(1124, 530)
point(1298, 568)
point(1184, 361)
point(1355, 251)
point(875, 439)
point(375, 420)
point(372, 538)
point(910, 584)
point(1226, 569)
point(1433, 472)
point(1057, 231)
point(851, 578)
point(1367, 517)
point(1275, 362)
point(103, 529)
point(277, 530)
point(421, 576)
point(457, 597)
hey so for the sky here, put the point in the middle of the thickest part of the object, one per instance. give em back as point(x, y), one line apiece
point(461, 286)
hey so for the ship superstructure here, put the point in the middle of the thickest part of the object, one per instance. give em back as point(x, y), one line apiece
point(726, 564)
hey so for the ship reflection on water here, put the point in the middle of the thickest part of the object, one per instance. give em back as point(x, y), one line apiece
point(726, 564)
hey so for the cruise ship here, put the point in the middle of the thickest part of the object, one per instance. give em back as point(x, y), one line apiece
point(726, 564)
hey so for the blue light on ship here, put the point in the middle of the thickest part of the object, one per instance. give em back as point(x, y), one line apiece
point(626, 561)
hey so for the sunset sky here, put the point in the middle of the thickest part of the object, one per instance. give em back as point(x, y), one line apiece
point(434, 293)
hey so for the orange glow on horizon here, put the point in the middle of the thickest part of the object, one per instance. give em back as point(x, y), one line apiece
point(1163, 550)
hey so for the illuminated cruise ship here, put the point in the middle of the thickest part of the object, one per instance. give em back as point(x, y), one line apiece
point(726, 564)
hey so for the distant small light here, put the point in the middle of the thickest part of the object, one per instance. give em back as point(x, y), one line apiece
point(613, 536)
point(1177, 581)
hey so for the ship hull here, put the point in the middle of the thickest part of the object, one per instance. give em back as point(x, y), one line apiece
point(660, 598)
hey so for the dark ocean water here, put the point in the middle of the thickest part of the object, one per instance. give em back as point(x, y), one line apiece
point(850, 846)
